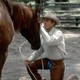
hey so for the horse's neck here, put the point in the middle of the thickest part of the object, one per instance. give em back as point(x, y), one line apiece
point(2, 5)
point(16, 16)
point(3, 8)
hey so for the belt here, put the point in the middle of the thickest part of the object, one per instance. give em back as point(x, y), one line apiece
point(58, 61)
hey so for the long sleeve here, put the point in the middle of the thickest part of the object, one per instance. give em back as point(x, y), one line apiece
point(36, 54)
point(53, 39)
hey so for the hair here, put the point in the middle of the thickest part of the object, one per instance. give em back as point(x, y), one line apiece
point(8, 5)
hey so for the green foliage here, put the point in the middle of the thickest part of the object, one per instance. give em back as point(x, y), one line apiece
point(24, 0)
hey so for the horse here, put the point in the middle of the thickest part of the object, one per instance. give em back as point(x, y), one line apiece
point(16, 17)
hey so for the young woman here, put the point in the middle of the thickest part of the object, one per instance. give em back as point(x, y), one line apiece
point(52, 52)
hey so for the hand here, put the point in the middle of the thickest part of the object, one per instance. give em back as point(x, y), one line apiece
point(26, 61)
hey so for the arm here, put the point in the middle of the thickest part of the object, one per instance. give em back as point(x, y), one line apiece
point(53, 39)
point(36, 54)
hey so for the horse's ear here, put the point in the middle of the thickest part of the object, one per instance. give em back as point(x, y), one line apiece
point(30, 5)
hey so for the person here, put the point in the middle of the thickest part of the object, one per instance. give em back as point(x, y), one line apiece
point(52, 51)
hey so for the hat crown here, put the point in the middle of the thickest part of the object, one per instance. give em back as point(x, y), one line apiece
point(50, 14)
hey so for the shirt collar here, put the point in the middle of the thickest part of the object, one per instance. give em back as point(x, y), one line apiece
point(52, 30)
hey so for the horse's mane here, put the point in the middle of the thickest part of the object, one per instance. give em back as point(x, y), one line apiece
point(22, 16)
point(8, 5)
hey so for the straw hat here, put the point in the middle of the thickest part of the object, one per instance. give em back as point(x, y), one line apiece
point(52, 15)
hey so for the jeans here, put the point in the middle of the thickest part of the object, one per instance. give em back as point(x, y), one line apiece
point(56, 71)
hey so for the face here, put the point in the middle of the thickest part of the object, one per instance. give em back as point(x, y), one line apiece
point(48, 24)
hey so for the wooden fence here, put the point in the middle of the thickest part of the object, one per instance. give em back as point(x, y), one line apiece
point(68, 13)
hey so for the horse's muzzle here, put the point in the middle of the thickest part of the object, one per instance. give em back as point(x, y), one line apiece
point(35, 47)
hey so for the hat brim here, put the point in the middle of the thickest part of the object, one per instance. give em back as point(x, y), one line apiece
point(54, 19)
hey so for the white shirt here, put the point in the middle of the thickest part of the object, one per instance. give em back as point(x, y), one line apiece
point(53, 45)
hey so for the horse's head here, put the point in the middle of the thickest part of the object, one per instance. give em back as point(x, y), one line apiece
point(32, 31)
point(26, 21)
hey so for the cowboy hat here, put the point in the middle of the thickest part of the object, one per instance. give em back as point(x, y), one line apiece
point(52, 15)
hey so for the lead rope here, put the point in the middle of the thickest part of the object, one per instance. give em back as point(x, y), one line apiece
point(42, 69)
point(24, 58)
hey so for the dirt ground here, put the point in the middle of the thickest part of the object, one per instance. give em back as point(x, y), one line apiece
point(14, 67)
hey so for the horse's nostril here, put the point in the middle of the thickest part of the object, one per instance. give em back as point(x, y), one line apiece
point(35, 47)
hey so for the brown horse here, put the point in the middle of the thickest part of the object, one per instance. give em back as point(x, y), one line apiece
point(17, 17)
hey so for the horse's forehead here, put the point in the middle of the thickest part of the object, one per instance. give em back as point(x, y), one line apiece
point(29, 12)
